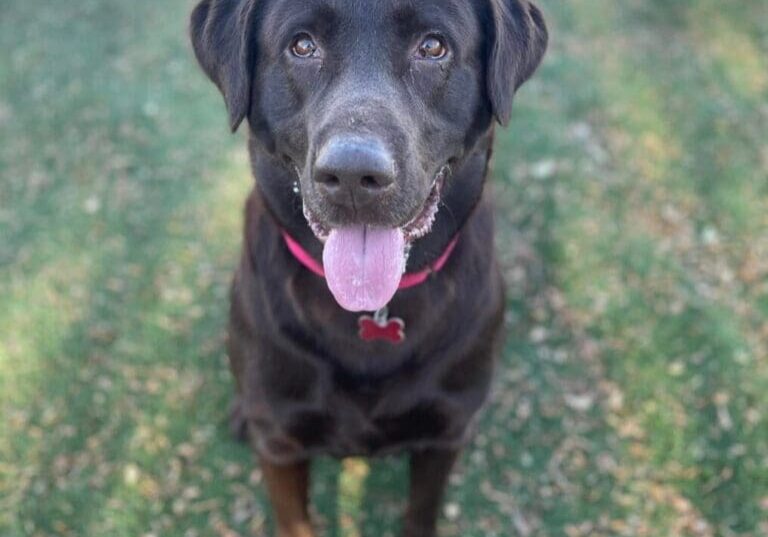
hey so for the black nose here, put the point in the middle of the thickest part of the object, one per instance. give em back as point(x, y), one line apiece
point(354, 171)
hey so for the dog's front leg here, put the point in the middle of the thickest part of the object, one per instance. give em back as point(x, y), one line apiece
point(429, 475)
point(288, 489)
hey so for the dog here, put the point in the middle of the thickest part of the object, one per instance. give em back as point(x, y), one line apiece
point(368, 301)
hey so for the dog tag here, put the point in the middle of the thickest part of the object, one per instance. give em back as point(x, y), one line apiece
point(382, 327)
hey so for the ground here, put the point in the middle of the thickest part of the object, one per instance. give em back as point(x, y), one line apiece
point(632, 191)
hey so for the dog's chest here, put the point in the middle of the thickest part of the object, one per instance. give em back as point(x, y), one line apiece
point(343, 420)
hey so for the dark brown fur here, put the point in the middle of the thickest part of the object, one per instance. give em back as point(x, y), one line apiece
point(306, 383)
point(308, 386)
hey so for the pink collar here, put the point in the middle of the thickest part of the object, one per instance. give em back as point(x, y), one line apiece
point(409, 280)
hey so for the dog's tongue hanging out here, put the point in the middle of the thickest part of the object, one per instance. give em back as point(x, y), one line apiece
point(364, 266)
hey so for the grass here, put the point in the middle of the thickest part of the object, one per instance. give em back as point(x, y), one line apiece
point(633, 210)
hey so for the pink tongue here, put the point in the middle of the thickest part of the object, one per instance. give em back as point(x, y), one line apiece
point(364, 266)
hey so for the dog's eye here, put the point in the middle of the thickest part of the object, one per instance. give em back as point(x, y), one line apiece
point(303, 46)
point(433, 48)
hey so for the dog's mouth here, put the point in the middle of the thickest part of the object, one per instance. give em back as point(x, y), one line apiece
point(414, 229)
point(364, 264)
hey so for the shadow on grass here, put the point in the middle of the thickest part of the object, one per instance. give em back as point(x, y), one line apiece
point(115, 424)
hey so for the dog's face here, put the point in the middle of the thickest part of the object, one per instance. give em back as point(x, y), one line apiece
point(370, 102)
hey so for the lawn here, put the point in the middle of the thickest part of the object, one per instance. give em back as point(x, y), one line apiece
point(633, 212)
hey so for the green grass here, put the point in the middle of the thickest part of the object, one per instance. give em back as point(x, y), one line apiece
point(633, 210)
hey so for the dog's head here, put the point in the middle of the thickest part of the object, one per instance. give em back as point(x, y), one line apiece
point(370, 102)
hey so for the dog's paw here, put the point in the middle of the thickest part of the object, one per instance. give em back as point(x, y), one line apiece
point(238, 424)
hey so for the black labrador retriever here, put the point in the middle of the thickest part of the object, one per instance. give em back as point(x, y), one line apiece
point(368, 300)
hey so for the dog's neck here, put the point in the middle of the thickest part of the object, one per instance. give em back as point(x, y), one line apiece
point(461, 194)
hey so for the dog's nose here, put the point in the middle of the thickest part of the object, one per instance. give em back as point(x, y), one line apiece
point(354, 171)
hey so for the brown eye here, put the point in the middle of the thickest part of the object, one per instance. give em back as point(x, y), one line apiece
point(303, 47)
point(433, 48)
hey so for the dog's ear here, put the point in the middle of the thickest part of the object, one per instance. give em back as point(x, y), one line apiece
point(519, 42)
point(224, 41)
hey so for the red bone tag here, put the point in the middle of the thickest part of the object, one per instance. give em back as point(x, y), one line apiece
point(381, 328)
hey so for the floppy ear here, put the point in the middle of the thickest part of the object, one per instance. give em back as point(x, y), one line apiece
point(519, 42)
point(222, 36)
